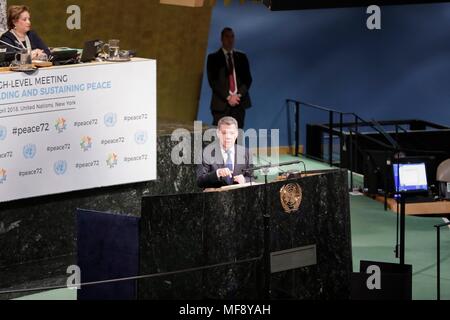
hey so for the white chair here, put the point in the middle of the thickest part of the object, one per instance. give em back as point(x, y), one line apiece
point(443, 178)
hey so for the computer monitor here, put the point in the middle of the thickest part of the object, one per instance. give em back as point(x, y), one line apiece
point(410, 177)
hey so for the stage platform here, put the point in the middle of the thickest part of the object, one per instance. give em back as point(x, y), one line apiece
point(40, 234)
point(373, 238)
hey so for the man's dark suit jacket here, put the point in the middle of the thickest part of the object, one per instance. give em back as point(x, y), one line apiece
point(207, 171)
point(35, 40)
point(218, 78)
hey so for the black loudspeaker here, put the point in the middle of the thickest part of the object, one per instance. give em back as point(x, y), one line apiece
point(378, 176)
point(394, 283)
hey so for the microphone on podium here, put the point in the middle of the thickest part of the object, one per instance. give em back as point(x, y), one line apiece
point(287, 175)
point(270, 165)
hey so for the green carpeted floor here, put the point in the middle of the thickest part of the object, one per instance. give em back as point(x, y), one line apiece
point(61, 294)
point(373, 238)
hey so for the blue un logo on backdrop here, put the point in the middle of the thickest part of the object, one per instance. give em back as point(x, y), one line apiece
point(29, 151)
point(110, 119)
point(3, 133)
point(60, 167)
point(141, 137)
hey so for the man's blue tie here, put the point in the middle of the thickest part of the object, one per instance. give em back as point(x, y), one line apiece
point(229, 164)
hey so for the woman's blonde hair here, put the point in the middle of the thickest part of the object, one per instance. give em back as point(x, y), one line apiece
point(14, 13)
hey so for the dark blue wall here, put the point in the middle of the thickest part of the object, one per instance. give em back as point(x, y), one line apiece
point(329, 57)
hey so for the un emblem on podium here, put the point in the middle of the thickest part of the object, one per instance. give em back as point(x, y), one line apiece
point(291, 197)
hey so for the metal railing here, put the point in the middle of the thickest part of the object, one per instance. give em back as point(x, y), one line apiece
point(331, 113)
point(354, 133)
point(356, 124)
point(143, 277)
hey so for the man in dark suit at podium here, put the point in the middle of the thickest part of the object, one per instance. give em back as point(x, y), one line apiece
point(230, 80)
point(224, 162)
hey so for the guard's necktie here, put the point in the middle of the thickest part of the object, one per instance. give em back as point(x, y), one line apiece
point(229, 164)
point(231, 73)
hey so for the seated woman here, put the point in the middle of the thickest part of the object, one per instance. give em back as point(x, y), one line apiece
point(20, 34)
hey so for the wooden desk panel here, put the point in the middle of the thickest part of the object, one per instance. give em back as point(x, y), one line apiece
point(423, 208)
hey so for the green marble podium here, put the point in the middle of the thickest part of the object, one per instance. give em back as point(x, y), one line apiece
point(186, 231)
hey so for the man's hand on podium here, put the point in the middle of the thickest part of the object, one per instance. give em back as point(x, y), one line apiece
point(224, 173)
point(227, 173)
point(240, 179)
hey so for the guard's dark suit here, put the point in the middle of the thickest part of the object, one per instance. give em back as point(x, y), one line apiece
point(219, 82)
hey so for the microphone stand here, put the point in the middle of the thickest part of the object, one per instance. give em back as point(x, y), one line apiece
point(266, 219)
point(399, 247)
point(10, 45)
point(402, 200)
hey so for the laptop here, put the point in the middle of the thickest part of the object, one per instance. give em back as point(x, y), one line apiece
point(90, 50)
point(411, 179)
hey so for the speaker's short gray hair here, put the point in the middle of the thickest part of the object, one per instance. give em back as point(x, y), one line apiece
point(227, 121)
